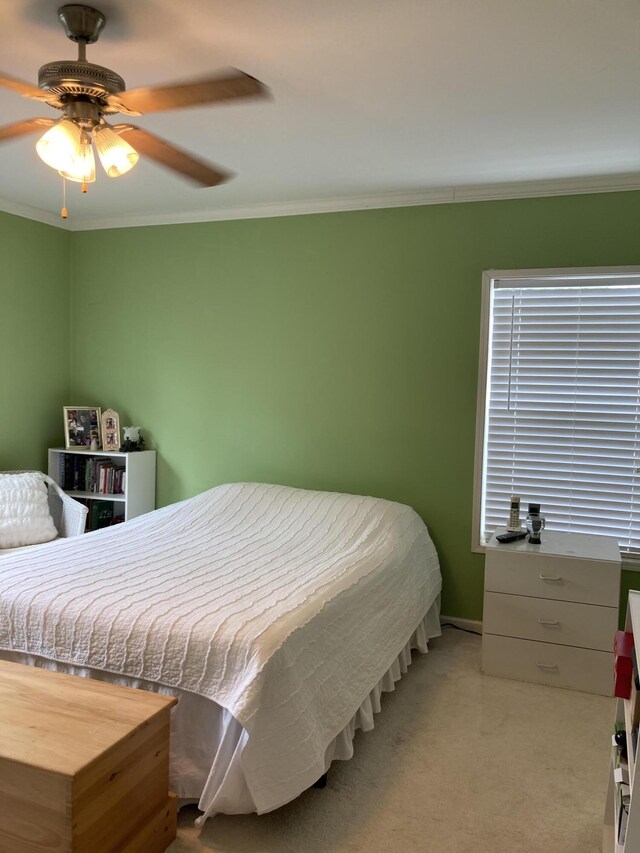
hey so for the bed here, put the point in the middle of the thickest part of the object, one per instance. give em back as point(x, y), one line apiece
point(276, 615)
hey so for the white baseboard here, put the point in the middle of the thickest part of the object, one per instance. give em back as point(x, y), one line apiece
point(469, 624)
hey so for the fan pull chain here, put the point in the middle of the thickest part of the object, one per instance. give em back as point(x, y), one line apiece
point(63, 212)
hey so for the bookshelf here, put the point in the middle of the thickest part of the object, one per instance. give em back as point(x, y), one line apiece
point(627, 718)
point(129, 480)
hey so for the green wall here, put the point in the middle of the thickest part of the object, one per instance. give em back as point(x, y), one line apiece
point(335, 351)
point(34, 340)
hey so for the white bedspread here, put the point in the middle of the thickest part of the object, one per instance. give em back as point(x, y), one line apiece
point(282, 605)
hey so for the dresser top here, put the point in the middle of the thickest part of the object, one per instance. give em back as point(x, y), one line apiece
point(578, 545)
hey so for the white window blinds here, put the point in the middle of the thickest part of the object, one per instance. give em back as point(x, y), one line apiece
point(562, 418)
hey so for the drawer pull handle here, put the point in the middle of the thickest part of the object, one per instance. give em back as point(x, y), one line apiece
point(552, 622)
point(553, 578)
point(547, 665)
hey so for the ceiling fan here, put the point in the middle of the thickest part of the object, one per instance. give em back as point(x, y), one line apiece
point(86, 93)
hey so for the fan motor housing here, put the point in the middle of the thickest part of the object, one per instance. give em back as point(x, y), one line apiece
point(70, 77)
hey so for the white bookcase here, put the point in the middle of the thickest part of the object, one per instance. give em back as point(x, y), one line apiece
point(627, 717)
point(140, 482)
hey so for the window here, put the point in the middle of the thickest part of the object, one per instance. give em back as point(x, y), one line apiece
point(559, 401)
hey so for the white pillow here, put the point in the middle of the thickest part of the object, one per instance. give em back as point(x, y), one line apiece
point(24, 511)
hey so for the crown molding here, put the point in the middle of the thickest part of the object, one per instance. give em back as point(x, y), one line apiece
point(552, 187)
point(411, 198)
point(34, 213)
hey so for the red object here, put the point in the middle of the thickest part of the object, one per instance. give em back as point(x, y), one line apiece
point(623, 663)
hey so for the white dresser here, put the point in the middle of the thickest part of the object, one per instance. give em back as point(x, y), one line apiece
point(551, 610)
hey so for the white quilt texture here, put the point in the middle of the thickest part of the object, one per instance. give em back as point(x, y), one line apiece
point(282, 605)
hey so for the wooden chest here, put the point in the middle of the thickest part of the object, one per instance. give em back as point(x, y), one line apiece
point(84, 765)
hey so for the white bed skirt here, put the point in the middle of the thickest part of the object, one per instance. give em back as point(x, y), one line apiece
point(202, 729)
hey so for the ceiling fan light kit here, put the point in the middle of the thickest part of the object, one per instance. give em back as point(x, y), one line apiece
point(116, 155)
point(85, 93)
point(58, 145)
point(83, 164)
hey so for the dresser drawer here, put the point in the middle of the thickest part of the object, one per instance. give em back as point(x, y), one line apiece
point(547, 663)
point(549, 576)
point(589, 626)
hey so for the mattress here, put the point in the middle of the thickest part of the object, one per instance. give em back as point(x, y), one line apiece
point(284, 607)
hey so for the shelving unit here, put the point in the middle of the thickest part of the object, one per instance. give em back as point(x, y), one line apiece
point(139, 494)
point(628, 717)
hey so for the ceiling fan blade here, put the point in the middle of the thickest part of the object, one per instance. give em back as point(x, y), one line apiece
point(22, 88)
point(168, 155)
point(154, 99)
point(27, 125)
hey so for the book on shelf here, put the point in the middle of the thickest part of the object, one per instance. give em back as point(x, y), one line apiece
point(92, 474)
point(623, 799)
point(621, 775)
point(633, 698)
point(622, 789)
point(109, 478)
point(100, 514)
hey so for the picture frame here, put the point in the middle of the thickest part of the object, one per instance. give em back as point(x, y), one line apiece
point(110, 430)
point(82, 424)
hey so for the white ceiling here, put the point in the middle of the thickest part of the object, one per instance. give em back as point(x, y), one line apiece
point(373, 102)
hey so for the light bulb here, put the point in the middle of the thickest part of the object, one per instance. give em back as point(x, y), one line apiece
point(83, 164)
point(60, 144)
point(116, 155)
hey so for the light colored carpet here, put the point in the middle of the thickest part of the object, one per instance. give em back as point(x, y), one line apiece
point(458, 761)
